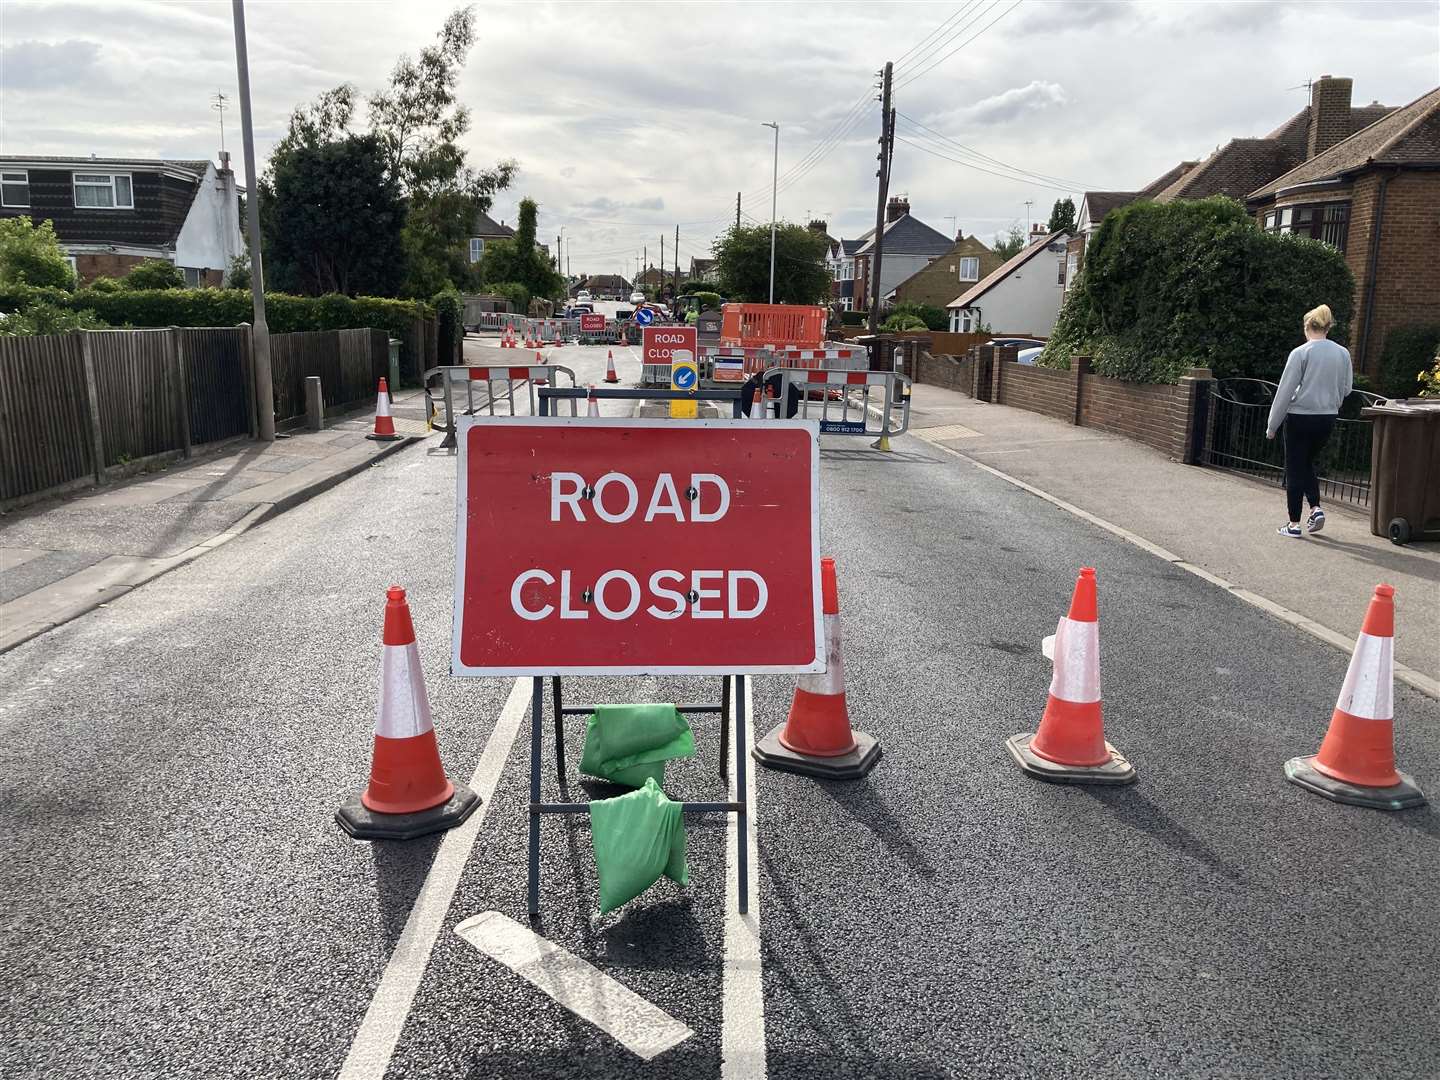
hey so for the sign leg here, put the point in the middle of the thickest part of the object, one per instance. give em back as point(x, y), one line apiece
point(724, 726)
point(742, 831)
point(537, 706)
point(559, 730)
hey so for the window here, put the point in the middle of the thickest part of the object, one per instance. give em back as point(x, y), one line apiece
point(106, 191)
point(1060, 271)
point(193, 279)
point(477, 248)
point(845, 303)
point(14, 189)
point(847, 270)
point(1327, 222)
point(962, 321)
point(970, 269)
point(1072, 267)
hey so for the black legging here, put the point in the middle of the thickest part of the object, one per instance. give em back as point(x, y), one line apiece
point(1305, 435)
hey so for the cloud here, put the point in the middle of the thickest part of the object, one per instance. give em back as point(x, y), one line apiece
point(34, 65)
point(1013, 104)
point(602, 204)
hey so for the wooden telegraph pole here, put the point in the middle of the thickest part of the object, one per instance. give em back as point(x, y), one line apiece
point(887, 153)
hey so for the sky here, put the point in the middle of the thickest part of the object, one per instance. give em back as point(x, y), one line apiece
point(630, 119)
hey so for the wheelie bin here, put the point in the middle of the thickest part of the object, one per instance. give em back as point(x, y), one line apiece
point(1405, 469)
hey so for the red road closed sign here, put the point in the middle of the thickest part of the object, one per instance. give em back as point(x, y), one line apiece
point(592, 324)
point(662, 342)
point(594, 546)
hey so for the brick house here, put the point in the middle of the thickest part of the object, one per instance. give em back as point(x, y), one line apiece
point(484, 230)
point(1021, 296)
point(966, 263)
point(112, 213)
point(841, 264)
point(910, 245)
point(1375, 195)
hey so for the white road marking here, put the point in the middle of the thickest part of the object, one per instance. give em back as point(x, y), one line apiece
point(585, 990)
point(742, 1006)
point(374, 1044)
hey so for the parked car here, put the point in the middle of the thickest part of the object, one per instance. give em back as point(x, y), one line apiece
point(583, 297)
point(1029, 356)
point(574, 311)
point(1017, 342)
point(637, 297)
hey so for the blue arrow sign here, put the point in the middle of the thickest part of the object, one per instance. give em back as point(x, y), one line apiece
point(684, 377)
point(644, 316)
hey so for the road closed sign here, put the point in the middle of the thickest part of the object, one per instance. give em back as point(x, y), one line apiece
point(592, 324)
point(627, 546)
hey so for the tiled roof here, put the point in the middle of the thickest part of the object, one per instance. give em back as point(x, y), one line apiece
point(1236, 169)
point(1409, 135)
point(485, 225)
point(196, 167)
point(1101, 203)
point(850, 247)
point(1160, 183)
point(1008, 267)
point(907, 235)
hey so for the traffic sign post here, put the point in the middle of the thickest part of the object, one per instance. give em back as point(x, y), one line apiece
point(677, 347)
point(612, 552)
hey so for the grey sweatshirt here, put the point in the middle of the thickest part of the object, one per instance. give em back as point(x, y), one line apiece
point(1316, 380)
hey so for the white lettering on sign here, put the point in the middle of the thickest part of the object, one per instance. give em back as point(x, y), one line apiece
point(568, 489)
point(617, 595)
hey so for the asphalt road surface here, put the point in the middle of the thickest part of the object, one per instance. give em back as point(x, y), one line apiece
point(180, 902)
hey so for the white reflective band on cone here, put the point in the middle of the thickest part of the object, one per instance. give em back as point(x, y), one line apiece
point(1369, 687)
point(1077, 661)
point(404, 710)
point(832, 679)
point(382, 404)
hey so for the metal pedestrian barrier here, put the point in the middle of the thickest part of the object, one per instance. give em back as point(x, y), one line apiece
point(499, 385)
point(845, 402)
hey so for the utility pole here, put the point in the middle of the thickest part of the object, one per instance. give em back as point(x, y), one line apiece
point(1028, 203)
point(887, 152)
point(644, 265)
point(662, 261)
point(737, 209)
point(259, 329)
point(774, 195)
point(677, 260)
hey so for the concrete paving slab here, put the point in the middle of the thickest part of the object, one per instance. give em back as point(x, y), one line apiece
point(36, 573)
point(11, 557)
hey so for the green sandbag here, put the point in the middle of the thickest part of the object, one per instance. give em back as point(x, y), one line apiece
point(637, 837)
point(629, 744)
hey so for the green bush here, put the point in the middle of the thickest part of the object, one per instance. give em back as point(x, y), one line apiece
point(105, 284)
point(30, 254)
point(517, 294)
point(1409, 352)
point(901, 323)
point(154, 274)
point(852, 318)
point(47, 318)
point(226, 307)
point(1188, 284)
point(933, 317)
point(450, 313)
point(709, 301)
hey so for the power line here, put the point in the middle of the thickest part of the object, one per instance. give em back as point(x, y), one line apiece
point(950, 35)
point(935, 63)
point(946, 143)
point(992, 172)
point(927, 37)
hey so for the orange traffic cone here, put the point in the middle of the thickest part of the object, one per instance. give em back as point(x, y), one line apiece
point(384, 422)
point(592, 406)
point(816, 739)
point(1070, 746)
point(610, 375)
point(1356, 762)
point(507, 339)
point(409, 794)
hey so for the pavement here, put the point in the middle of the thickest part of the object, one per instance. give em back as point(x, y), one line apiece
point(1218, 522)
point(182, 903)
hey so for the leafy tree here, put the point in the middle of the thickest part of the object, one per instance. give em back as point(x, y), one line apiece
point(332, 219)
point(30, 254)
point(521, 260)
point(742, 257)
point(1008, 244)
point(1195, 284)
point(930, 316)
point(154, 274)
point(238, 275)
point(1062, 215)
point(47, 318)
point(903, 322)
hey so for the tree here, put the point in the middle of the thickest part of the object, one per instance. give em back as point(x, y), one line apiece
point(1062, 215)
point(742, 258)
point(1008, 244)
point(520, 260)
point(30, 254)
point(154, 274)
point(332, 220)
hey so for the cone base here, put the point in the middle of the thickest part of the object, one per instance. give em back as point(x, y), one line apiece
point(849, 766)
point(384, 438)
point(1115, 771)
point(366, 824)
point(1402, 796)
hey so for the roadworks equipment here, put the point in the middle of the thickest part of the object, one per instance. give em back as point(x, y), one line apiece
point(636, 837)
point(409, 794)
point(629, 744)
point(592, 404)
point(610, 375)
point(507, 339)
point(1356, 762)
point(816, 739)
point(1070, 747)
point(384, 422)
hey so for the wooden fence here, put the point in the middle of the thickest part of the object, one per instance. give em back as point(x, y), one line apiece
point(81, 408)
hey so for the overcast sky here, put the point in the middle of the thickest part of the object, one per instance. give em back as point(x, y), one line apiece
point(627, 119)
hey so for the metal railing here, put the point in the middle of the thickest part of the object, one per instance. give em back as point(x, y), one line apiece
point(1235, 441)
point(873, 403)
point(499, 385)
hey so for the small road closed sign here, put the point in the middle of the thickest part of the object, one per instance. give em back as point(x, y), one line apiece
point(632, 546)
point(592, 324)
point(675, 347)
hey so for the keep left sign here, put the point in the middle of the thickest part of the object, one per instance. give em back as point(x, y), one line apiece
point(630, 546)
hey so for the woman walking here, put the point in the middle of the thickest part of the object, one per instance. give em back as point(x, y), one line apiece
point(1317, 378)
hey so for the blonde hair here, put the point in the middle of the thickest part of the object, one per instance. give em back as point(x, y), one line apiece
point(1319, 319)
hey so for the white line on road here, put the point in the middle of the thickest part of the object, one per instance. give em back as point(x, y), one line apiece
point(742, 1006)
point(589, 993)
point(374, 1044)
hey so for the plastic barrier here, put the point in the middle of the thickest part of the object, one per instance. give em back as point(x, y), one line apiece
point(451, 381)
point(837, 359)
point(732, 364)
point(775, 325)
point(846, 403)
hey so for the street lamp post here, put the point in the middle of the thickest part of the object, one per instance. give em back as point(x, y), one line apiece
point(774, 194)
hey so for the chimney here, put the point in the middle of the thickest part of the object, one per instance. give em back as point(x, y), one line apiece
point(821, 227)
point(1037, 231)
point(224, 161)
point(1329, 114)
point(898, 207)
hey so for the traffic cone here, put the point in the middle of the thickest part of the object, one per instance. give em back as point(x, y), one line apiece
point(384, 422)
point(507, 339)
point(1356, 762)
point(559, 341)
point(409, 794)
point(1070, 747)
point(592, 406)
point(816, 739)
point(610, 375)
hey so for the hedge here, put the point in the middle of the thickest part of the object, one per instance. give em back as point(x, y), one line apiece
point(227, 307)
point(1408, 355)
point(1185, 284)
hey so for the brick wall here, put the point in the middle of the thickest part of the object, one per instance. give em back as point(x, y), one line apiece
point(1048, 391)
point(1407, 281)
point(951, 372)
point(1155, 414)
point(92, 265)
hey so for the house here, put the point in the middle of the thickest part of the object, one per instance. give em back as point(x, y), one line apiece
point(841, 263)
point(652, 277)
point(1374, 195)
point(1020, 297)
point(605, 287)
point(704, 270)
point(965, 264)
point(112, 213)
point(1242, 165)
point(910, 245)
point(484, 230)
